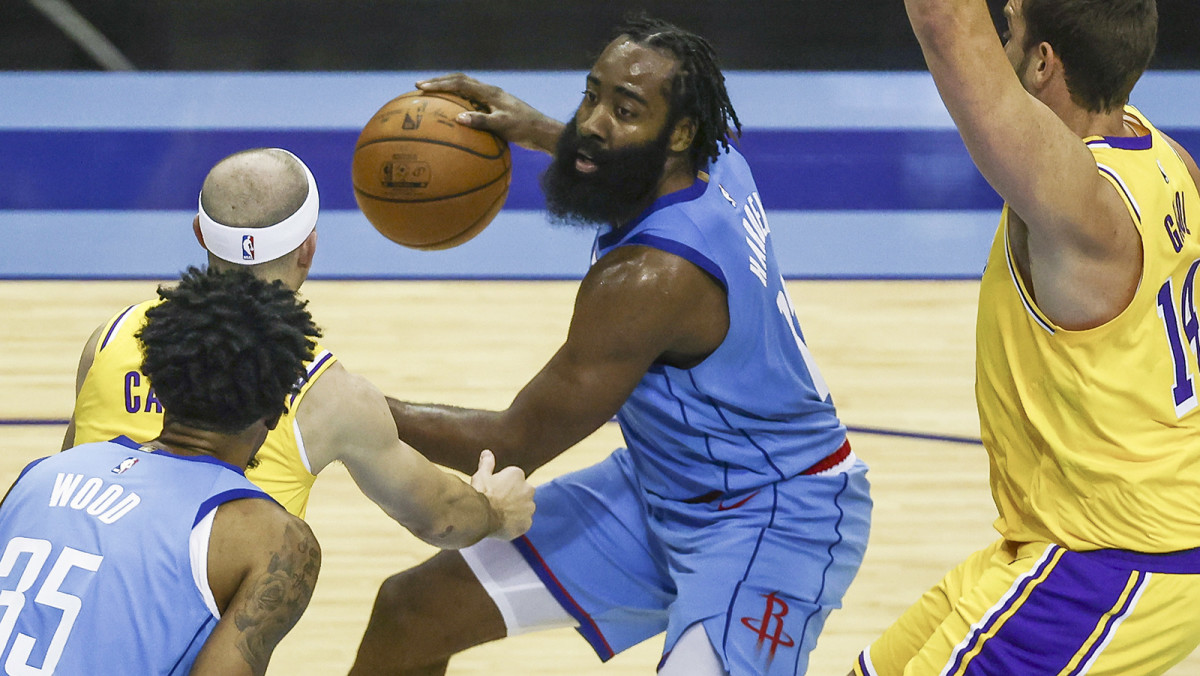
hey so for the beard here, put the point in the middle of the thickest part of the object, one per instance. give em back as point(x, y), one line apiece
point(616, 192)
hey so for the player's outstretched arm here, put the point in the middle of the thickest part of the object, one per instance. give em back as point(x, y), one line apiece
point(262, 567)
point(635, 307)
point(1084, 250)
point(344, 417)
point(85, 364)
point(507, 116)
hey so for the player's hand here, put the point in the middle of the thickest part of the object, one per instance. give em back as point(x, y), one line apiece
point(509, 494)
point(505, 115)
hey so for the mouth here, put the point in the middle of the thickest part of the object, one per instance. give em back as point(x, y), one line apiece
point(584, 163)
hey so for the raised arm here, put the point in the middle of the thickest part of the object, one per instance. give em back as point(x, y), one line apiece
point(344, 417)
point(636, 306)
point(85, 364)
point(262, 567)
point(1080, 232)
point(506, 116)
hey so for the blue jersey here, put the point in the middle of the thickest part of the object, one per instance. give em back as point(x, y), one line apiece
point(755, 411)
point(100, 572)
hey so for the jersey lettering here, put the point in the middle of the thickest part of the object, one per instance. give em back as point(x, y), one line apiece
point(133, 396)
point(107, 505)
point(48, 594)
point(756, 227)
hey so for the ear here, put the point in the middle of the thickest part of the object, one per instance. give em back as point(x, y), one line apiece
point(1044, 66)
point(682, 135)
point(196, 231)
point(306, 250)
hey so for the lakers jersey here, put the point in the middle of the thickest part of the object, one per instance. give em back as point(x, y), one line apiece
point(1094, 435)
point(116, 398)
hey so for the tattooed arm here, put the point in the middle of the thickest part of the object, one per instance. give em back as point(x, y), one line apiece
point(262, 566)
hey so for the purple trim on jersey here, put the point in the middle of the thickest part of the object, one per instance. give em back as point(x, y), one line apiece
point(229, 496)
point(862, 664)
point(683, 251)
point(996, 613)
point(696, 189)
point(1121, 185)
point(1126, 142)
point(837, 528)
point(115, 324)
point(587, 626)
point(749, 565)
point(1186, 562)
point(308, 376)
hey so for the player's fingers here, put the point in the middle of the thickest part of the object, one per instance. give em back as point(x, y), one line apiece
point(487, 464)
point(458, 83)
point(476, 120)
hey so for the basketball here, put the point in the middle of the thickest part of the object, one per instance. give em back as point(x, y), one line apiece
point(424, 180)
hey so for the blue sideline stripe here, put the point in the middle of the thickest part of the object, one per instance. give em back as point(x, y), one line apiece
point(845, 169)
point(161, 169)
point(314, 100)
point(517, 245)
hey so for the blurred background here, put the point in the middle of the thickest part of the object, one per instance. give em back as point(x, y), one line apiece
point(350, 35)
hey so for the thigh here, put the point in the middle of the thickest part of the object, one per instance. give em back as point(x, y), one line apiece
point(764, 576)
point(1048, 611)
point(591, 548)
point(889, 654)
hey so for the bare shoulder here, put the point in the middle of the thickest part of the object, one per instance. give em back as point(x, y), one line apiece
point(340, 412)
point(651, 300)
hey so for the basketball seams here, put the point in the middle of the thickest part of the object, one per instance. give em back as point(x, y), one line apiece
point(410, 139)
point(505, 175)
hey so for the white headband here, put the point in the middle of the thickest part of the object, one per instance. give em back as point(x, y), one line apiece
point(247, 246)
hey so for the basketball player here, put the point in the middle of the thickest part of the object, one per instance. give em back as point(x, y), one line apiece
point(258, 211)
point(737, 516)
point(127, 558)
point(1086, 354)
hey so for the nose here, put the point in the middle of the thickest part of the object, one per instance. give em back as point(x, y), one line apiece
point(593, 123)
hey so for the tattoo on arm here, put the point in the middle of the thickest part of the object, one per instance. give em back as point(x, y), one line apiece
point(278, 597)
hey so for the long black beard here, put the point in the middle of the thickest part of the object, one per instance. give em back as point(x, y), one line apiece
point(621, 187)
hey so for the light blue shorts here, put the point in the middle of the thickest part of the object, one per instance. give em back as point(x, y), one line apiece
point(761, 569)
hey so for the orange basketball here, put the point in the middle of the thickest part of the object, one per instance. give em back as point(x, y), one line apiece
point(424, 180)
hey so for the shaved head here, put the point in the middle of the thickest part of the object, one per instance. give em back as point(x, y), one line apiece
point(254, 188)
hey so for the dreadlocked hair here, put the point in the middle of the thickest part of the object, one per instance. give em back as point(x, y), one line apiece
point(698, 89)
point(224, 349)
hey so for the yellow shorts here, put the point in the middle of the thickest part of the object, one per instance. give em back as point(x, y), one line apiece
point(1037, 609)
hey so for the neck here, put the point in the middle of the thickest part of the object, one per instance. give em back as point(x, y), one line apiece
point(235, 449)
point(1086, 123)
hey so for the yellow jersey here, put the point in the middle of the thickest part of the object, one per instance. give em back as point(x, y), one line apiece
point(1094, 435)
point(116, 399)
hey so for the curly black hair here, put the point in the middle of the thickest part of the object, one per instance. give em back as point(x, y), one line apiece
point(224, 349)
point(698, 89)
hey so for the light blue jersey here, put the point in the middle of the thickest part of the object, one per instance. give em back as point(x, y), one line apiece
point(103, 560)
point(756, 410)
point(738, 503)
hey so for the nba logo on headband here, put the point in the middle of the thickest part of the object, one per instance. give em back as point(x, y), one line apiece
point(247, 247)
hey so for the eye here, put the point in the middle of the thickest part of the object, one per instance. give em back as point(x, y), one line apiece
point(589, 96)
point(624, 113)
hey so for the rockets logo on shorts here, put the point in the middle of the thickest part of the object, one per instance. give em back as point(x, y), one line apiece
point(769, 627)
point(124, 466)
point(247, 247)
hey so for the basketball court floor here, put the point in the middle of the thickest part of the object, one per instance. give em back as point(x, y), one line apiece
point(898, 356)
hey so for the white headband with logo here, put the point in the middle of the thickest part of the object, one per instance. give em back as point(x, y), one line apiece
point(248, 246)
